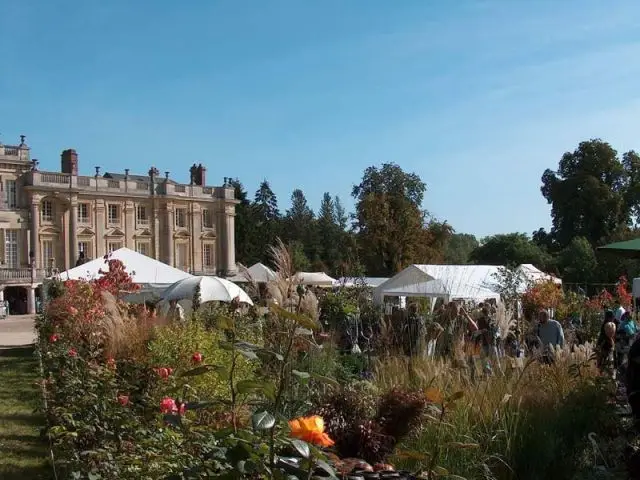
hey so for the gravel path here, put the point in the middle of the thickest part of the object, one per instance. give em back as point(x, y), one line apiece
point(17, 330)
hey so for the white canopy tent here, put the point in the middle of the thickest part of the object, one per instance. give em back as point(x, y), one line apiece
point(350, 282)
point(318, 279)
point(258, 273)
point(466, 282)
point(152, 275)
point(533, 274)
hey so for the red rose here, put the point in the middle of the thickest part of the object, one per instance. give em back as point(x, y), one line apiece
point(111, 363)
point(168, 405)
point(53, 338)
point(163, 372)
point(123, 400)
point(197, 357)
point(182, 408)
point(73, 352)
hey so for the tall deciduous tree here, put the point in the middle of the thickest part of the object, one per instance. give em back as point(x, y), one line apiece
point(589, 193)
point(459, 247)
point(578, 261)
point(389, 219)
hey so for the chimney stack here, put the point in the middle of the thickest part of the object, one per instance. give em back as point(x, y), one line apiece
point(201, 176)
point(69, 162)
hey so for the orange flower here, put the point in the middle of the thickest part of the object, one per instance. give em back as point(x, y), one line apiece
point(311, 430)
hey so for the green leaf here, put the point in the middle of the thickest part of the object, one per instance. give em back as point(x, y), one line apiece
point(263, 421)
point(301, 447)
point(325, 379)
point(200, 370)
point(302, 320)
point(250, 354)
point(300, 374)
point(175, 420)
point(326, 467)
point(198, 405)
point(225, 323)
point(250, 386)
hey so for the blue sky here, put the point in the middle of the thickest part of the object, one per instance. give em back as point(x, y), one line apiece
point(477, 97)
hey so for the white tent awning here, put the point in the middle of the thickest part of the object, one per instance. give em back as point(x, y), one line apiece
point(152, 275)
point(319, 279)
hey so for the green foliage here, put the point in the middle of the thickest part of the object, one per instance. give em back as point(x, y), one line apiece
point(175, 344)
point(459, 248)
point(578, 261)
point(510, 249)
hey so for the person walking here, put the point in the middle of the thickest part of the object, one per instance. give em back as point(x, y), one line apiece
point(176, 312)
point(550, 335)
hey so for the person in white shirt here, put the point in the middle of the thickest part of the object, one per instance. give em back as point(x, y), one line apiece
point(619, 312)
point(176, 312)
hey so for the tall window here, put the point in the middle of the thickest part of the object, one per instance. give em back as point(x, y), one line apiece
point(181, 217)
point(12, 193)
point(142, 216)
point(112, 246)
point(113, 214)
point(207, 255)
point(83, 213)
point(182, 255)
point(11, 248)
point(207, 219)
point(143, 247)
point(47, 211)
point(85, 247)
point(47, 253)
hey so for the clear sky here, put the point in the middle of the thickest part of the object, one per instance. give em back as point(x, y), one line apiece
point(477, 97)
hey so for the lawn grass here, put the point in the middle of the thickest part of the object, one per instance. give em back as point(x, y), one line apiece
point(23, 453)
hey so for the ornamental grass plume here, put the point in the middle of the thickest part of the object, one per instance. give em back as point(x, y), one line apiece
point(311, 430)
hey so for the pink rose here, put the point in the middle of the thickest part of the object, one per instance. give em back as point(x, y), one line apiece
point(168, 405)
point(123, 400)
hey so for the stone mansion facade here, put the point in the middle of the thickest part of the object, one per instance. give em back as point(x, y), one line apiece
point(48, 219)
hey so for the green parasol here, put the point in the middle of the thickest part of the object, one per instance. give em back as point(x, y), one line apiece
point(629, 248)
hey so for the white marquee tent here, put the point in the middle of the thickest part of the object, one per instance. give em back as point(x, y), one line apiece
point(468, 282)
point(258, 273)
point(350, 282)
point(318, 279)
point(152, 275)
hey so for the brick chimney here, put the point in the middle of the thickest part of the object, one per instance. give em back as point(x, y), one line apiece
point(201, 176)
point(69, 162)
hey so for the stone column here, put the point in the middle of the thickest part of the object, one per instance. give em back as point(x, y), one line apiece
point(169, 227)
point(73, 232)
point(155, 225)
point(229, 240)
point(129, 224)
point(100, 222)
point(35, 224)
point(31, 300)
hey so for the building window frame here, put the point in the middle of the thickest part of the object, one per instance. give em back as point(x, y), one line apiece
point(48, 249)
point(114, 214)
point(11, 190)
point(11, 248)
point(84, 213)
point(142, 245)
point(85, 247)
point(182, 263)
point(113, 245)
point(208, 257)
point(207, 218)
point(142, 215)
point(180, 219)
point(46, 211)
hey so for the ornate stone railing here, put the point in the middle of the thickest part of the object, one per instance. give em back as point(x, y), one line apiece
point(20, 275)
